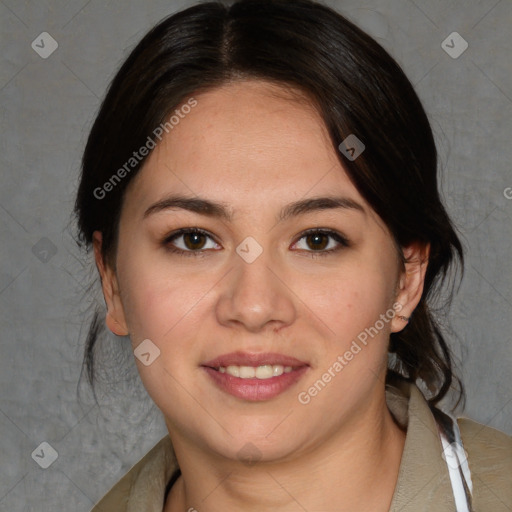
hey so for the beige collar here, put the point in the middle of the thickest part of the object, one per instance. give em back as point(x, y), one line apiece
point(423, 478)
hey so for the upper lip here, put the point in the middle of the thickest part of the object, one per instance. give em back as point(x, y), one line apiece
point(253, 359)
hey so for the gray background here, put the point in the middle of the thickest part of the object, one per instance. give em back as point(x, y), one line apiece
point(47, 107)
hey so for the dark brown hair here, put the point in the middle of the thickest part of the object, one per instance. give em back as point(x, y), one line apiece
point(357, 87)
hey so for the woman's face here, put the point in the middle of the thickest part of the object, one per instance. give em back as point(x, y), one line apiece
point(252, 289)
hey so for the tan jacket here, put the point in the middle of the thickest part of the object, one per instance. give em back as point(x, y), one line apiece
point(423, 481)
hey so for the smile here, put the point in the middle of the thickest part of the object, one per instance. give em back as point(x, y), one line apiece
point(254, 377)
point(266, 371)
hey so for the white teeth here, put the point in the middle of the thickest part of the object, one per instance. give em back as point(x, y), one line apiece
point(247, 372)
point(233, 370)
point(277, 370)
point(266, 371)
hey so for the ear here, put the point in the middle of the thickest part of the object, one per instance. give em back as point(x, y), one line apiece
point(115, 313)
point(410, 283)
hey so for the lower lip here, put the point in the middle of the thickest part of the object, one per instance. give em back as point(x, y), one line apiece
point(255, 390)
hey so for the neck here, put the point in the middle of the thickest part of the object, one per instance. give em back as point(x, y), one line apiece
point(355, 469)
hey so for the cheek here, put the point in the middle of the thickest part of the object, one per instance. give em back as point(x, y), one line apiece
point(355, 352)
point(350, 298)
point(164, 306)
point(159, 301)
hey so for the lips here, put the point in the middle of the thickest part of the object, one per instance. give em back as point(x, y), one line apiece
point(255, 377)
point(251, 359)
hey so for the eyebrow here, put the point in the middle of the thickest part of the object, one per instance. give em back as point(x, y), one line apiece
point(219, 210)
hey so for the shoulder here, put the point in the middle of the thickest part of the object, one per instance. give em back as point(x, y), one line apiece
point(151, 466)
point(489, 456)
point(487, 445)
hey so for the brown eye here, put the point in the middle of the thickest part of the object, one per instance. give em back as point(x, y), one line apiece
point(321, 242)
point(194, 241)
point(189, 241)
point(317, 241)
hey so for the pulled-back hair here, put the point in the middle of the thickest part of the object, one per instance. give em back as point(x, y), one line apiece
point(357, 87)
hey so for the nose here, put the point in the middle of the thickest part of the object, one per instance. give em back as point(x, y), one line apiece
point(256, 296)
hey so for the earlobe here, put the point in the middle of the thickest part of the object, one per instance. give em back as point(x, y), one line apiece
point(411, 282)
point(114, 326)
point(115, 318)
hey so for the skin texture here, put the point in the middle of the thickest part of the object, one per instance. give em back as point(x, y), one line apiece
point(255, 148)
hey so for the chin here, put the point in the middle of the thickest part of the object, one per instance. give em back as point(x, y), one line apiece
point(252, 447)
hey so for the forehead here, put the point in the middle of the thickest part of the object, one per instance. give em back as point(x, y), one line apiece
point(245, 142)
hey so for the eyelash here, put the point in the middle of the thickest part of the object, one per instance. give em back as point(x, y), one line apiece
point(342, 241)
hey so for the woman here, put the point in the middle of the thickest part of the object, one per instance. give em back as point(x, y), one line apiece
point(259, 188)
